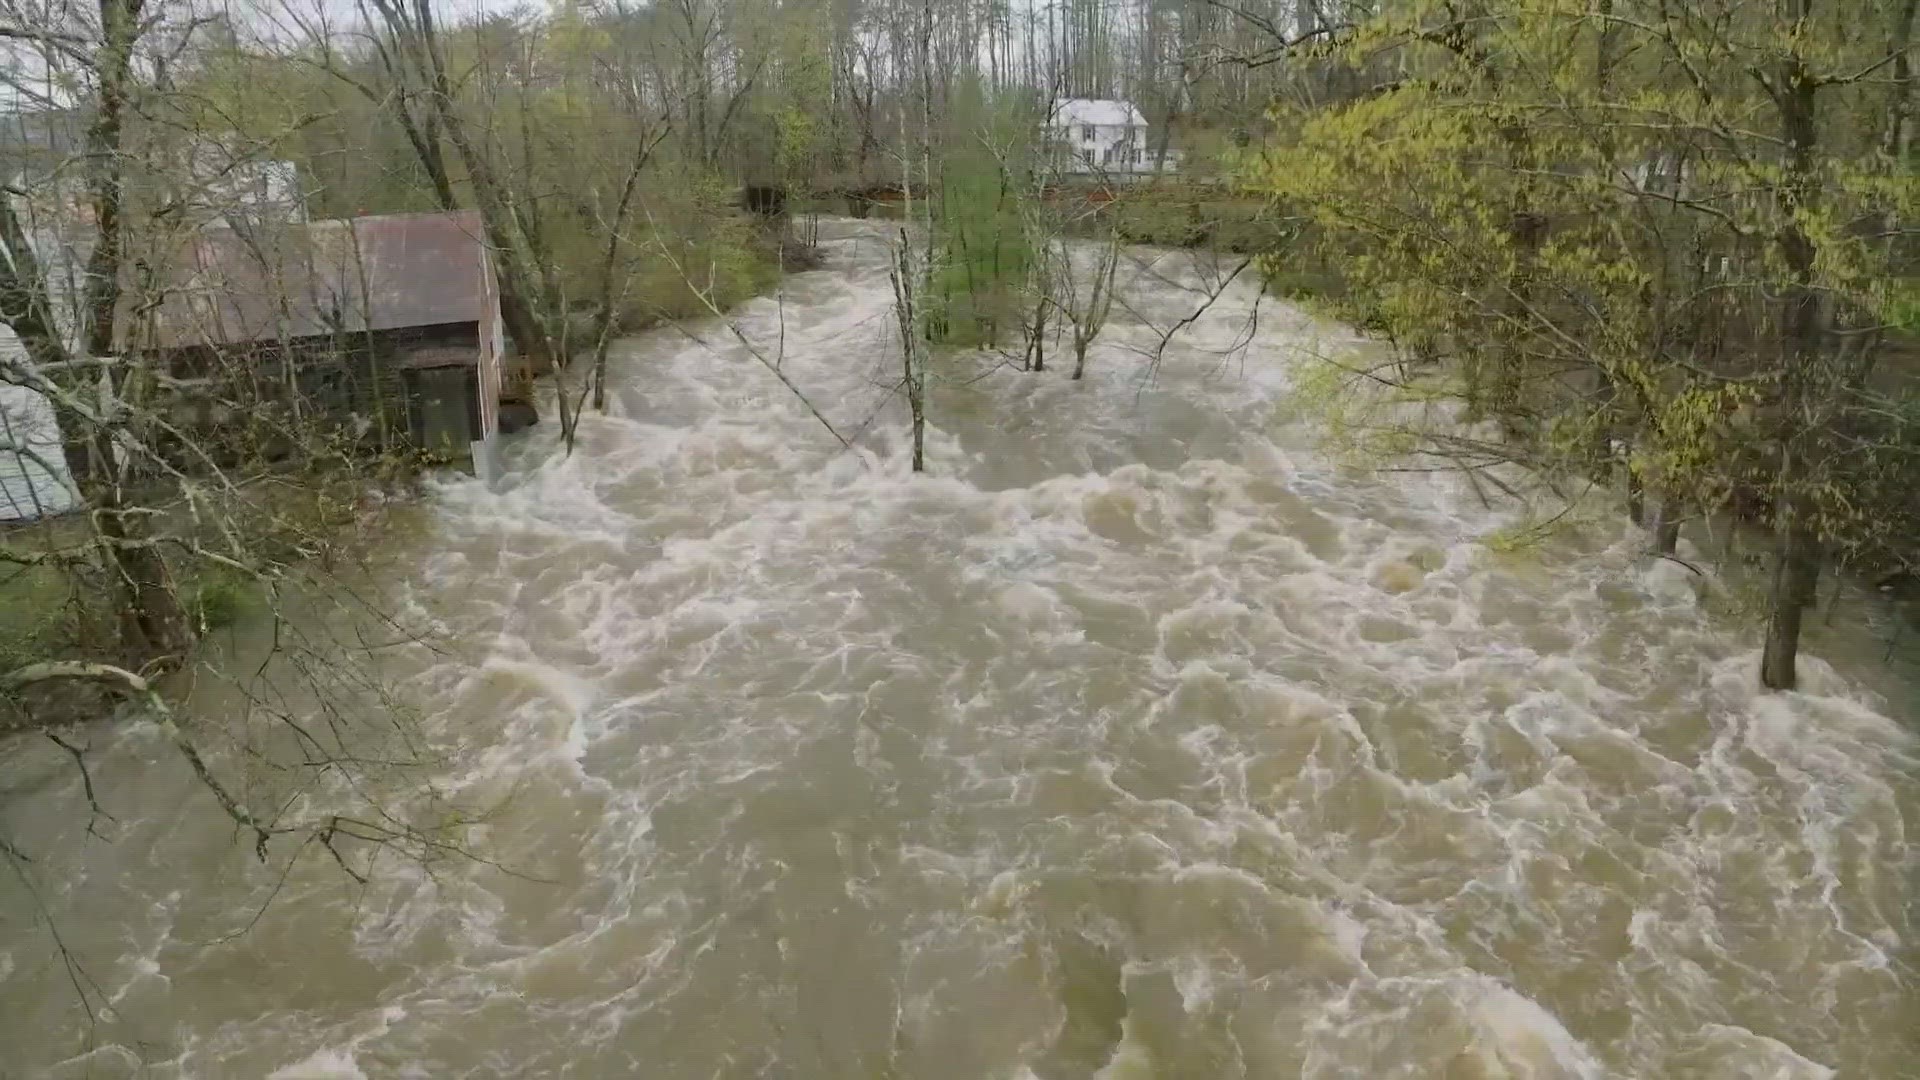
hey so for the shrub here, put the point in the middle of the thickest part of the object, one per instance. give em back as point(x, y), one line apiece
point(218, 600)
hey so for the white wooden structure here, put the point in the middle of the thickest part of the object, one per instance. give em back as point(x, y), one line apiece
point(33, 476)
point(33, 473)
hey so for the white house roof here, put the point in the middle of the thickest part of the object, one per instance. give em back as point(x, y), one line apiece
point(1100, 111)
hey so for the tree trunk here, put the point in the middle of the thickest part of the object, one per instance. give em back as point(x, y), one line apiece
point(520, 316)
point(1796, 573)
point(1666, 527)
point(1797, 552)
point(424, 137)
point(1037, 348)
point(105, 171)
point(423, 134)
point(106, 168)
point(416, 33)
point(1894, 141)
point(153, 623)
point(600, 374)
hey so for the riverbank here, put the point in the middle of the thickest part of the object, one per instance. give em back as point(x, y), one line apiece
point(298, 529)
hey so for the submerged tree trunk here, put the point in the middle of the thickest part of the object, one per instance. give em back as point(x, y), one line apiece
point(1797, 551)
point(1666, 526)
point(912, 359)
point(1037, 344)
point(1088, 323)
point(609, 265)
point(1796, 573)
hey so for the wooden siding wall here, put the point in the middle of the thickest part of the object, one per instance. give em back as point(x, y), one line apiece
point(263, 400)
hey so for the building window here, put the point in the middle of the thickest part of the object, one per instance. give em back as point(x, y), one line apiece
point(1139, 156)
point(1087, 132)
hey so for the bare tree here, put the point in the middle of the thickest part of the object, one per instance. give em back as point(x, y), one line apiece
point(1085, 307)
point(907, 288)
point(419, 64)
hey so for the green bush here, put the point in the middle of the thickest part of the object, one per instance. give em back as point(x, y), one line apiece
point(984, 259)
point(218, 600)
point(35, 599)
point(725, 258)
point(979, 225)
point(1190, 217)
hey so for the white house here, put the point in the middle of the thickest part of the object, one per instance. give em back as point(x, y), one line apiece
point(236, 193)
point(1099, 136)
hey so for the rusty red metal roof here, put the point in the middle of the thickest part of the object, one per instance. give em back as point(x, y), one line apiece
point(271, 282)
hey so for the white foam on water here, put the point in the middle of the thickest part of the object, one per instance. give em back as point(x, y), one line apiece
point(1131, 1060)
point(341, 1062)
point(1527, 1042)
point(330, 1063)
point(1732, 1052)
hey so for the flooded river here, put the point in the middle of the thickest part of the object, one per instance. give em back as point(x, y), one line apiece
point(1138, 740)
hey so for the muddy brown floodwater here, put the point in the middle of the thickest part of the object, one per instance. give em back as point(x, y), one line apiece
point(1137, 740)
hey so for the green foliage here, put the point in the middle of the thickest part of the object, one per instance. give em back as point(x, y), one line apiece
point(35, 599)
point(1900, 307)
point(1531, 533)
point(1183, 216)
point(980, 225)
point(1434, 200)
point(692, 249)
point(218, 599)
point(1667, 237)
point(1363, 423)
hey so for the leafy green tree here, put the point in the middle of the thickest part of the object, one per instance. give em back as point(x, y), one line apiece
point(1636, 230)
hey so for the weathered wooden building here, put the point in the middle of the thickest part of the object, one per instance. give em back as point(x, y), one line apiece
point(383, 329)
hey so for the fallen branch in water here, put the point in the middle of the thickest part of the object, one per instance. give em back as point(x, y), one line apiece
point(1683, 562)
point(1210, 293)
point(139, 688)
point(325, 829)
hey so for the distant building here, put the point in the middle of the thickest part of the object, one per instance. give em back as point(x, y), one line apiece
point(237, 190)
point(1094, 136)
point(217, 179)
point(36, 143)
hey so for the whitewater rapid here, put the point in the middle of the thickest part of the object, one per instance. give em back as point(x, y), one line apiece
point(1137, 739)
